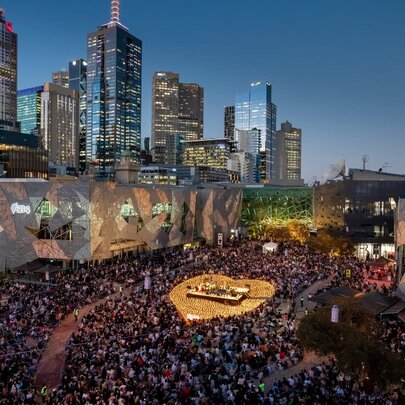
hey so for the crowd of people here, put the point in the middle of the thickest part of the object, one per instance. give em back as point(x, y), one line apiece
point(134, 348)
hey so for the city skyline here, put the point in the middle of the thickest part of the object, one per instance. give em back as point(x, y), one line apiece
point(335, 69)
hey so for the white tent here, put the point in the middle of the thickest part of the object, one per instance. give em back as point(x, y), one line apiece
point(269, 247)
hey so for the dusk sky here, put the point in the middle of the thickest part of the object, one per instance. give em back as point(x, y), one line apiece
point(337, 66)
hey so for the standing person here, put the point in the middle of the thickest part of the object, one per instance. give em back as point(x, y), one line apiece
point(302, 301)
point(76, 313)
point(43, 393)
point(121, 290)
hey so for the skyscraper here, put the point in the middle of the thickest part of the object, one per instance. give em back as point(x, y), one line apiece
point(165, 115)
point(29, 110)
point(61, 78)
point(78, 82)
point(254, 109)
point(288, 152)
point(191, 111)
point(59, 125)
point(177, 115)
point(249, 142)
point(8, 75)
point(229, 122)
point(114, 69)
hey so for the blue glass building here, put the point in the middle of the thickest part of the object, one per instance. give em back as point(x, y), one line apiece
point(254, 109)
point(114, 68)
point(29, 109)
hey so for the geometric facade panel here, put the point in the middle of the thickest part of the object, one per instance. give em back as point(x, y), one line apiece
point(82, 220)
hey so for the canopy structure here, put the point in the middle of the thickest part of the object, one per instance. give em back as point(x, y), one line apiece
point(395, 309)
point(374, 302)
point(337, 295)
point(270, 247)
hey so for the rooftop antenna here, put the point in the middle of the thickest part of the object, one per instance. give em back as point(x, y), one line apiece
point(365, 159)
point(115, 11)
point(386, 165)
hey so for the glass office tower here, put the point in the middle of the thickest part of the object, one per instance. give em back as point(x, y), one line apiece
point(29, 110)
point(114, 65)
point(254, 109)
point(8, 75)
point(78, 82)
point(165, 116)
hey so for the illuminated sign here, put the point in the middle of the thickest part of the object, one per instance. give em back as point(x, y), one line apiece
point(9, 26)
point(20, 209)
point(220, 239)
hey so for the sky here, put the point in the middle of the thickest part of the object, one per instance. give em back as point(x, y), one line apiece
point(337, 67)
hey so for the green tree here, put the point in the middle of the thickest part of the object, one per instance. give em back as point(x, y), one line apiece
point(354, 342)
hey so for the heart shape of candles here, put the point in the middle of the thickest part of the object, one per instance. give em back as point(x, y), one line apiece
point(213, 295)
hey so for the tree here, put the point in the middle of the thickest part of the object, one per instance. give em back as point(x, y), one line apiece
point(354, 342)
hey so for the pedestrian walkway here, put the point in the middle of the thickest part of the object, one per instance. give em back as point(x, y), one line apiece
point(51, 363)
point(311, 290)
point(310, 358)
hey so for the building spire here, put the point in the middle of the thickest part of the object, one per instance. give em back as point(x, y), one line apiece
point(115, 11)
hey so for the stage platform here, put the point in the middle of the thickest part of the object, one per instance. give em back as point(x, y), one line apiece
point(223, 294)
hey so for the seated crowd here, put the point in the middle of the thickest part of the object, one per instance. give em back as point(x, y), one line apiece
point(134, 348)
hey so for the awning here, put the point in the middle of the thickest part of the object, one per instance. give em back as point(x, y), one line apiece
point(394, 309)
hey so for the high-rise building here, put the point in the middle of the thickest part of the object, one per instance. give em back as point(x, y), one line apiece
point(59, 125)
point(29, 110)
point(177, 115)
point(288, 152)
point(165, 115)
point(210, 152)
point(114, 69)
point(249, 142)
point(8, 75)
point(78, 82)
point(191, 111)
point(61, 78)
point(229, 122)
point(254, 109)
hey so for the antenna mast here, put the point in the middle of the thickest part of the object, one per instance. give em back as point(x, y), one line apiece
point(365, 159)
point(115, 11)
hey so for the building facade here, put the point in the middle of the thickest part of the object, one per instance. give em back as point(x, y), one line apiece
point(177, 115)
point(254, 109)
point(78, 220)
point(29, 110)
point(249, 142)
point(59, 125)
point(361, 207)
point(61, 78)
point(8, 75)
point(114, 71)
point(165, 116)
point(229, 123)
point(400, 243)
point(288, 152)
point(21, 157)
point(191, 111)
point(78, 82)
point(210, 152)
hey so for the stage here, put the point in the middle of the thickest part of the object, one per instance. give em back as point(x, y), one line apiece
point(211, 295)
point(225, 294)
